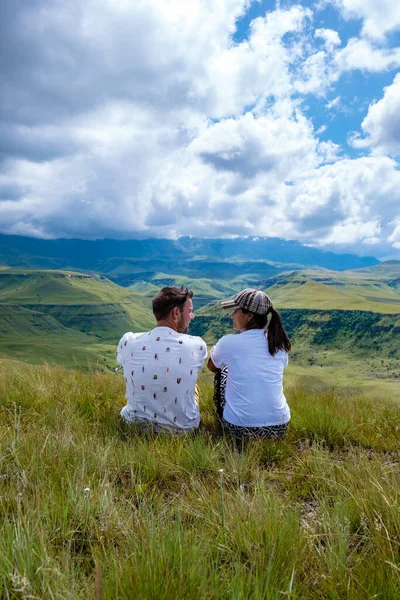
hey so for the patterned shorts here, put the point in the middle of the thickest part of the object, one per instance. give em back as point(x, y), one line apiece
point(268, 432)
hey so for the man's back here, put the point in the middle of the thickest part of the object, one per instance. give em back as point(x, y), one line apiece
point(160, 368)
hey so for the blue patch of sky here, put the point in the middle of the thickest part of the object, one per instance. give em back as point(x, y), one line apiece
point(357, 89)
point(256, 9)
point(327, 17)
point(393, 39)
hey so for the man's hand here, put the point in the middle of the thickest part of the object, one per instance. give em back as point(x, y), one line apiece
point(211, 366)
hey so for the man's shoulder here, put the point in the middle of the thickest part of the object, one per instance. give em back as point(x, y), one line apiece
point(130, 336)
point(194, 340)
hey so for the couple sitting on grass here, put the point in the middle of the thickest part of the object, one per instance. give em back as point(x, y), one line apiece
point(161, 367)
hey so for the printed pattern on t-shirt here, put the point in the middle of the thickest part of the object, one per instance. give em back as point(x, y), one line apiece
point(160, 369)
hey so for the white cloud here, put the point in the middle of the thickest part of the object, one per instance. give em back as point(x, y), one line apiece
point(381, 126)
point(349, 202)
point(361, 54)
point(257, 68)
point(146, 118)
point(394, 238)
point(334, 103)
point(272, 144)
point(350, 231)
point(330, 37)
point(316, 75)
point(379, 16)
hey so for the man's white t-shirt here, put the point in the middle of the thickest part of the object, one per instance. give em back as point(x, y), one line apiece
point(160, 368)
point(254, 389)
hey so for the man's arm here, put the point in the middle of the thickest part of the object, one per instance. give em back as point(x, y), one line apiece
point(211, 366)
point(216, 360)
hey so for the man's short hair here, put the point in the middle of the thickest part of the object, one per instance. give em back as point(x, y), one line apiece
point(168, 298)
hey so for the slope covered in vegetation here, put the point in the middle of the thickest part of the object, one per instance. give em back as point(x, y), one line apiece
point(90, 507)
point(41, 309)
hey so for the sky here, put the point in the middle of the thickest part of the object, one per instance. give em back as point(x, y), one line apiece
point(207, 118)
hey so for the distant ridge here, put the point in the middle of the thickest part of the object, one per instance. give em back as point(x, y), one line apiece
point(192, 257)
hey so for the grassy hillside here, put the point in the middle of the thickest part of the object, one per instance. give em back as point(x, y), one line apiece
point(93, 305)
point(359, 333)
point(51, 311)
point(33, 336)
point(89, 508)
point(60, 287)
point(204, 290)
point(351, 350)
point(374, 289)
point(388, 270)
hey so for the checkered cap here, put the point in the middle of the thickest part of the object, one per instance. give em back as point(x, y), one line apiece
point(255, 301)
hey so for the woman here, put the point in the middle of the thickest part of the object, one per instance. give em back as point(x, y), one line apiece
point(249, 369)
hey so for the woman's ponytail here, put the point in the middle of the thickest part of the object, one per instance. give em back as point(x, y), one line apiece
point(277, 336)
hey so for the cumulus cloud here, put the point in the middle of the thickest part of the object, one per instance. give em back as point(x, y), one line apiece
point(273, 144)
point(330, 37)
point(381, 126)
point(258, 68)
point(361, 54)
point(146, 118)
point(379, 17)
point(354, 193)
point(394, 238)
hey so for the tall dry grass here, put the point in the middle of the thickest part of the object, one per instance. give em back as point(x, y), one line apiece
point(90, 509)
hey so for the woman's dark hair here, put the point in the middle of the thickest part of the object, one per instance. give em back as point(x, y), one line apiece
point(168, 298)
point(277, 336)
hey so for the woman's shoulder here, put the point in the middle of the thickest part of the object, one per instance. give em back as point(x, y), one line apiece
point(226, 340)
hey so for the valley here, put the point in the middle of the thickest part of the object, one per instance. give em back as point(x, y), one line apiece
point(344, 325)
point(67, 318)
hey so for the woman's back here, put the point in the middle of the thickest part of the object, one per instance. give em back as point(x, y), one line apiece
point(254, 391)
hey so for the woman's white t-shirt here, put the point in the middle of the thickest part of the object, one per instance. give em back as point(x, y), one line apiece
point(254, 389)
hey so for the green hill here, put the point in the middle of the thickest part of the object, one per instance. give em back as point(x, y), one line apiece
point(376, 289)
point(33, 336)
point(205, 290)
point(344, 326)
point(60, 287)
point(57, 308)
point(337, 320)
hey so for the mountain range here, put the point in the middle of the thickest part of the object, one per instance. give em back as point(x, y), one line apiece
point(130, 261)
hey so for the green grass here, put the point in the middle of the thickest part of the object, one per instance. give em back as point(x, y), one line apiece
point(35, 337)
point(65, 317)
point(374, 289)
point(18, 287)
point(88, 504)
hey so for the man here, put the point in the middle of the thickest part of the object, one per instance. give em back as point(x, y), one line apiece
point(161, 367)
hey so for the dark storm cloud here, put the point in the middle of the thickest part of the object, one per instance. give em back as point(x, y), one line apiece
point(61, 58)
point(10, 191)
point(323, 217)
point(247, 162)
point(32, 144)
